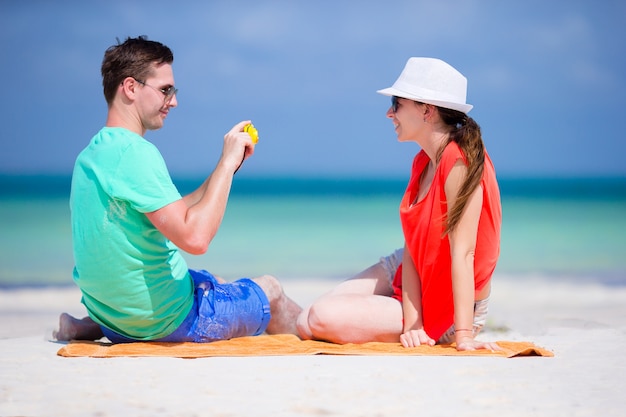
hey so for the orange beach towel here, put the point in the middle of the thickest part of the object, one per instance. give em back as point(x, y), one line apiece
point(282, 345)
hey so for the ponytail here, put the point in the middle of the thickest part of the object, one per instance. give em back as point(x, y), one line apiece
point(466, 133)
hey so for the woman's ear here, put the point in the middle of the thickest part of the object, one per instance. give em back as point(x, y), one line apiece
point(429, 111)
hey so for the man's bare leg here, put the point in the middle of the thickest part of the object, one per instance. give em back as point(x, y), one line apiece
point(283, 309)
point(71, 328)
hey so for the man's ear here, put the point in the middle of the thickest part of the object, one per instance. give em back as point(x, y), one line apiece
point(128, 88)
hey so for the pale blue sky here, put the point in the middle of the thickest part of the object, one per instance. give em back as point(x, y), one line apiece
point(547, 80)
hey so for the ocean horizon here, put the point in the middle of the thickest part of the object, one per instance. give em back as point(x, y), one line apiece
point(553, 228)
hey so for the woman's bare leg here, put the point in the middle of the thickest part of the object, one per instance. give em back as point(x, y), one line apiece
point(358, 310)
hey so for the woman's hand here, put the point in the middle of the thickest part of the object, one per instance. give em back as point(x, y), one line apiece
point(468, 343)
point(413, 338)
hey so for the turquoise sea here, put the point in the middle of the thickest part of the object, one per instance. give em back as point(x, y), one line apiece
point(572, 229)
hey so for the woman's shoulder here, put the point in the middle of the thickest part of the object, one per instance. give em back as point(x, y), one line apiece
point(449, 157)
point(452, 151)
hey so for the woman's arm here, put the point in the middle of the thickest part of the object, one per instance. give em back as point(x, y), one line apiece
point(462, 248)
point(413, 333)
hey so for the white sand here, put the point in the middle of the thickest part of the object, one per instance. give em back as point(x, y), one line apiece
point(584, 325)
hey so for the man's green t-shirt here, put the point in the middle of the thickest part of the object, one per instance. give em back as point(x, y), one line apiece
point(133, 279)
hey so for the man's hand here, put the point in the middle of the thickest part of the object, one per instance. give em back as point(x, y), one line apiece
point(238, 146)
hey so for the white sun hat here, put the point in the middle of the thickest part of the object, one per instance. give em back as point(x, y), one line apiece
point(432, 81)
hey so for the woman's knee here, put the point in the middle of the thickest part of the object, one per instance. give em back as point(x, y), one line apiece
point(302, 324)
point(321, 319)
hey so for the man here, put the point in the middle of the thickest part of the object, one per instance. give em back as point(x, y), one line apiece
point(129, 224)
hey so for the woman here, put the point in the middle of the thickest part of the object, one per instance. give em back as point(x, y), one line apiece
point(435, 289)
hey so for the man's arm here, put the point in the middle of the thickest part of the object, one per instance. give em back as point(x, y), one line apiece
point(192, 222)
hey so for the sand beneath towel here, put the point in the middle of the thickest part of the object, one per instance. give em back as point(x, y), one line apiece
point(584, 325)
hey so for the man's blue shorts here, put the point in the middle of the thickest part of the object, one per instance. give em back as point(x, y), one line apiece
point(219, 312)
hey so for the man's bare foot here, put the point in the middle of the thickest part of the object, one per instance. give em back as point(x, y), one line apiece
point(71, 328)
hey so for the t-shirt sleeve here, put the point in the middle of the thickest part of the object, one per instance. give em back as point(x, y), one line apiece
point(142, 179)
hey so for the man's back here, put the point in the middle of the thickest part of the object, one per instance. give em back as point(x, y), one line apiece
point(133, 279)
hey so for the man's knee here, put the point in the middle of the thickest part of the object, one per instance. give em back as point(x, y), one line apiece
point(271, 287)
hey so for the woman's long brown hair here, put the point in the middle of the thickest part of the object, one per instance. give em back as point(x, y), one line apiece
point(466, 133)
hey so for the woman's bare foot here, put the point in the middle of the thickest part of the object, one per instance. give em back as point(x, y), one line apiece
point(71, 328)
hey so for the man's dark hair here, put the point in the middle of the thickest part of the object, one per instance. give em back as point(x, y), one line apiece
point(133, 58)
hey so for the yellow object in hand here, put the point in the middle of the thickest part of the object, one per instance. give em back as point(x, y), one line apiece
point(251, 130)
